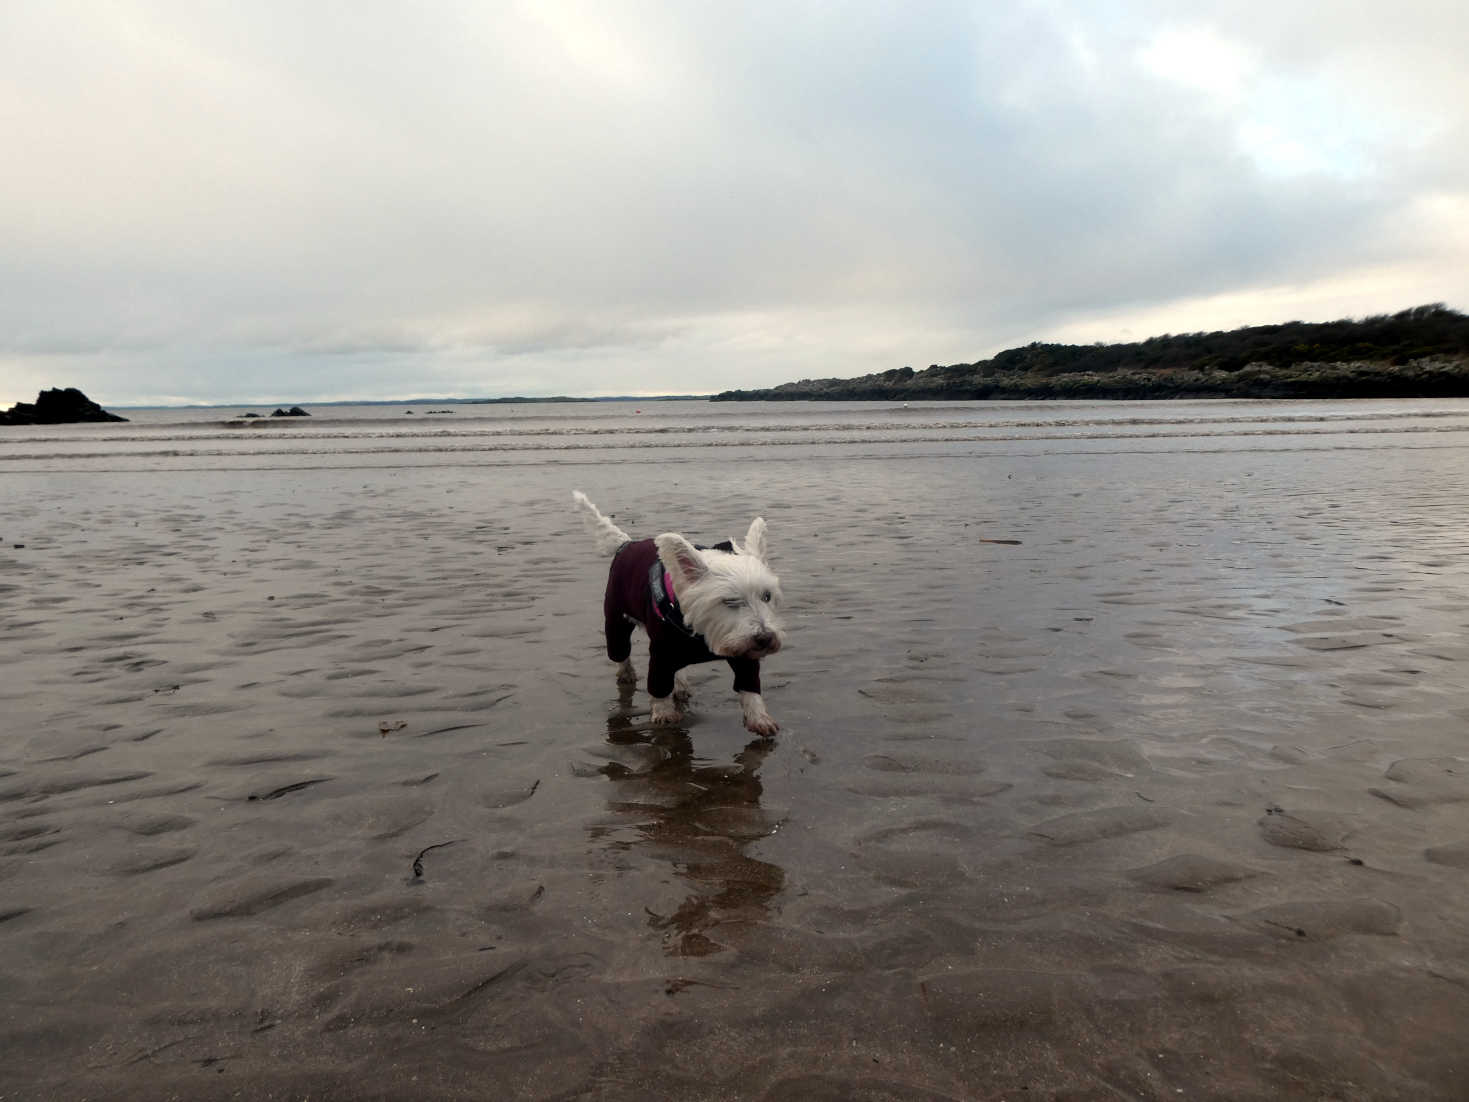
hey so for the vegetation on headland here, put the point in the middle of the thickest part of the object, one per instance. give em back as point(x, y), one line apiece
point(1422, 352)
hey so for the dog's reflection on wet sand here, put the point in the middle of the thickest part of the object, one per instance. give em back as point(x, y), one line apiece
point(701, 817)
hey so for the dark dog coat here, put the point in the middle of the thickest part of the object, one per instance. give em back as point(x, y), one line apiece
point(638, 592)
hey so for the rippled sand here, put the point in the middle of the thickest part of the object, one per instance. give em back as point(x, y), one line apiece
point(317, 784)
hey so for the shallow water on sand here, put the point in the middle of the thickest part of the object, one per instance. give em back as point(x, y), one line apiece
point(314, 780)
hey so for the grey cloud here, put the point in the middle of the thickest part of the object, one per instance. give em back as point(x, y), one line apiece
point(686, 197)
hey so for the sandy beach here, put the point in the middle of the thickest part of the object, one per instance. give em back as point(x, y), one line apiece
point(315, 781)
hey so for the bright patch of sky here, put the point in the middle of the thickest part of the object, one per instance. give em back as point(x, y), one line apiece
point(1289, 125)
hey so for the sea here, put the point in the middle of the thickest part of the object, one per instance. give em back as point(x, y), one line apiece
point(612, 432)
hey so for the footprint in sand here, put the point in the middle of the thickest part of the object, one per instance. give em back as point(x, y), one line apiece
point(1455, 855)
point(1327, 918)
point(1190, 872)
point(1316, 831)
point(1090, 826)
point(244, 900)
point(1423, 782)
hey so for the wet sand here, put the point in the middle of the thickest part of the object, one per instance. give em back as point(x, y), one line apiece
point(316, 784)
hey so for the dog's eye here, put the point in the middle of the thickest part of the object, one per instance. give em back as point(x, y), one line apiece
point(733, 602)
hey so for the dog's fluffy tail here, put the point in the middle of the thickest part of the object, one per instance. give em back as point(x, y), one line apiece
point(609, 537)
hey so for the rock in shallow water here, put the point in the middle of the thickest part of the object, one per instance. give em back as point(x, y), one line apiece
point(57, 407)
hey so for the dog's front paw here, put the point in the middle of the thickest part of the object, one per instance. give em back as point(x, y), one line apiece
point(665, 712)
point(764, 725)
point(757, 720)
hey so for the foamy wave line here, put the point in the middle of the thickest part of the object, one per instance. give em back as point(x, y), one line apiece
point(751, 441)
point(684, 428)
point(510, 460)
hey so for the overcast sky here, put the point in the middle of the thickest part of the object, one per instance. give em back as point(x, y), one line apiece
point(303, 201)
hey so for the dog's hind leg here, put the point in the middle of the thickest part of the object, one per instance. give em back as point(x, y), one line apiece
point(681, 690)
point(665, 711)
point(619, 647)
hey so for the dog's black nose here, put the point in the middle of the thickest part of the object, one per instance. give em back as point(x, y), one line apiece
point(763, 640)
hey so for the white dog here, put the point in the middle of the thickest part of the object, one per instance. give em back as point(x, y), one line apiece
point(697, 604)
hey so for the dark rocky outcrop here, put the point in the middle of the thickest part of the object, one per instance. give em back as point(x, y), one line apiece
point(294, 411)
point(57, 407)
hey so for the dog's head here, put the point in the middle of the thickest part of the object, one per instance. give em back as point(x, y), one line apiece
point(730, 598)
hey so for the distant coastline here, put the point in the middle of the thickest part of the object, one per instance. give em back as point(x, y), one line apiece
point(1422, 352)
point(428, 401)
point(564, 398)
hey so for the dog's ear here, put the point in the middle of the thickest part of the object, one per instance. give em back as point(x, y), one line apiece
point(755, 539)
point(681, 559)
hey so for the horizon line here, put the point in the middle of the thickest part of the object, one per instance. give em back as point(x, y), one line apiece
point(506, 400)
